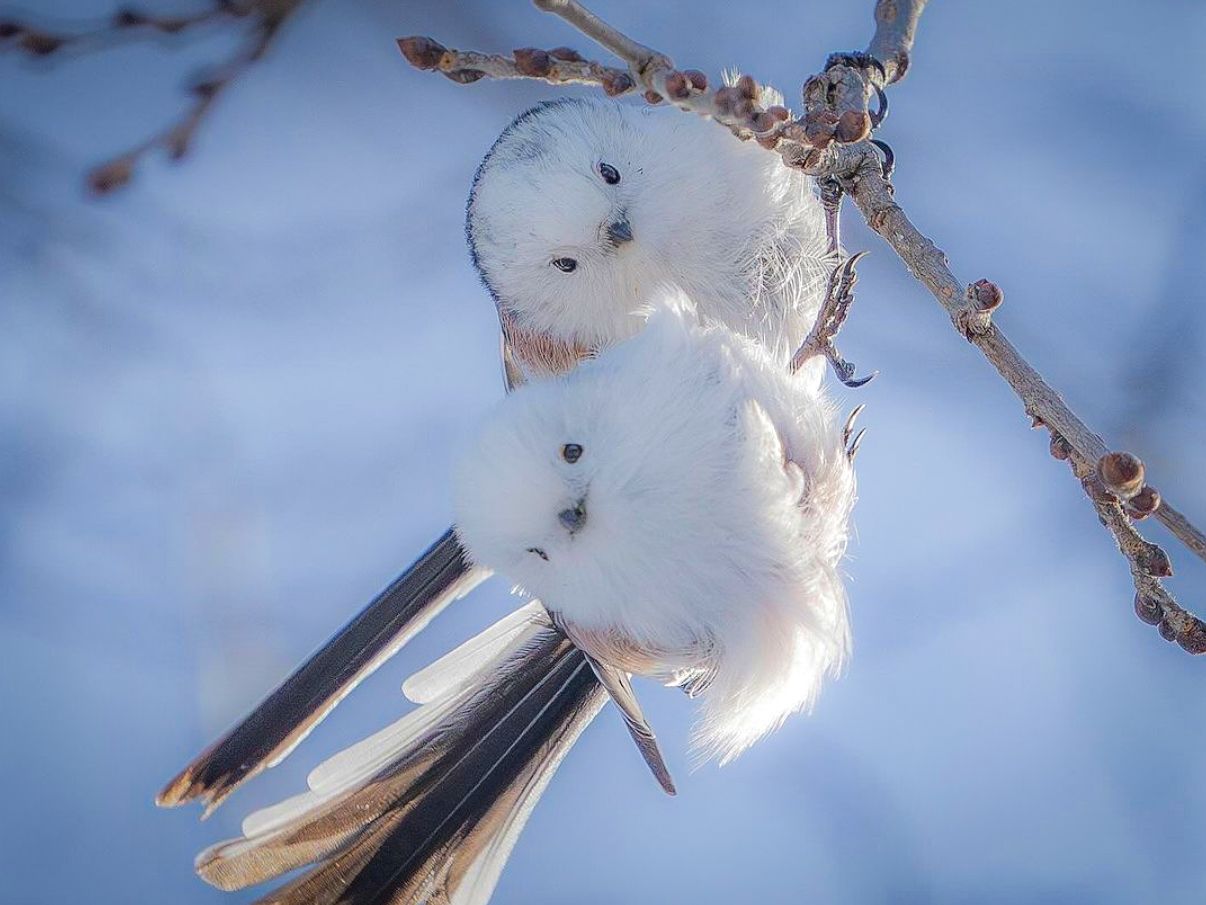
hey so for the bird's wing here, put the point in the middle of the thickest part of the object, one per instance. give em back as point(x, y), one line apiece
point(271, 731)
point(433, 805)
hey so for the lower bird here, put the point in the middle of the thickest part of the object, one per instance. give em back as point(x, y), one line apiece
point(677, 508)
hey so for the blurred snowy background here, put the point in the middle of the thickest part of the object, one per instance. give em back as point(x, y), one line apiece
point(229, 394)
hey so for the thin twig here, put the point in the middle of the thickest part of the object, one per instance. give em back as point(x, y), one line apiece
point(559, 66)
point(1182, 529)
point(737, 107)
point(895, 30)
point(124, 26)
point(261, 20)
point(638, 57)
point(1116, 487)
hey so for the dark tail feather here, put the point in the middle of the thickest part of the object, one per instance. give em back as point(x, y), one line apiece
point(286, 716)
point(437, 822)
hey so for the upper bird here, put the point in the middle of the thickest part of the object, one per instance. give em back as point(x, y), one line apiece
point(585, 209)
point(580, 213)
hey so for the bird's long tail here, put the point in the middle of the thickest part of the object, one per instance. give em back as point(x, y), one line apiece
point(271, 731)
point(428, 810)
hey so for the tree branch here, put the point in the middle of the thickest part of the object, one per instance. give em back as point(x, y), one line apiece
point(125, 25)
point(736, 107)
point(836, 99)
point(261, 21)
point(829, 142)
point(895, 30)
point(1116, 488)
point(639, 58)
point(559, 66)
point(1182, 529)
point(874, 198)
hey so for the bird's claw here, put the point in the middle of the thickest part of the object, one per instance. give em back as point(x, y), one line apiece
point(848, 427)
point(834, 311)
point(888, 164)
point(845, 371)
point(853, 448)
point(881, 112)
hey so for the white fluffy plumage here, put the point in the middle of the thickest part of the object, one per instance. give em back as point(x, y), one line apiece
point(726, 223)
point(696, 538)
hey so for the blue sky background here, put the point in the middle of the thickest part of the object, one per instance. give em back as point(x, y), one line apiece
point(229, 395)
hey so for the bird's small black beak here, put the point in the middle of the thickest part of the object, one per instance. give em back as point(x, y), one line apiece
point(573, 519)
point(619, 230)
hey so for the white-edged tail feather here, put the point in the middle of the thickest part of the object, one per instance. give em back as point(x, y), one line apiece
point(457, 667)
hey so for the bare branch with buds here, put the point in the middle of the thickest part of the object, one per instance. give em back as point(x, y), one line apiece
point(1116, 486)
point(831, 142)
point(737, 107)
point(818, 150)
point(559, 66)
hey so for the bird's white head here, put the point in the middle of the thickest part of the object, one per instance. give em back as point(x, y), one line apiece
point(568, 475)
point(583, 209)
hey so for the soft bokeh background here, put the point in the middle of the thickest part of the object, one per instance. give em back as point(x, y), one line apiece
point(229, 395)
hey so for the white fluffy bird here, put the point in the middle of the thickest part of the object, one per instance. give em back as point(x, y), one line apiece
point(681, 506)
point(584, 210)
point(581, 212)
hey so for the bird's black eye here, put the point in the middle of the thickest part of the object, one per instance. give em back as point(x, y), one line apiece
point(571, 452)
point(609, 173)
point(565, 265)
